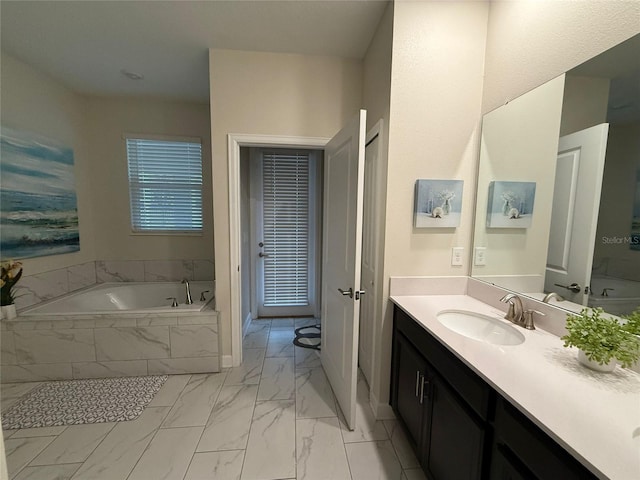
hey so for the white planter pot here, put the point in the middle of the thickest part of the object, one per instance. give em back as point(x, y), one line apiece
point(584, 360)
point(9, 312)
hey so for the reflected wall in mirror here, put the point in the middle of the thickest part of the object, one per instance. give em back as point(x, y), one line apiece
point(578, 137)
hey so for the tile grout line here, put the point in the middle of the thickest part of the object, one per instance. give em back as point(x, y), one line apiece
point(215, 402)
point(53, 438)
point(253, 413)
point(155, 433)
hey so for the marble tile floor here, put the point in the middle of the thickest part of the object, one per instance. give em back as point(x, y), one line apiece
point(274, 417)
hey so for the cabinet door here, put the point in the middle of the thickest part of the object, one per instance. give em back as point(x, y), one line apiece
point(411, 369)
point(456, 439)
point(504, 466)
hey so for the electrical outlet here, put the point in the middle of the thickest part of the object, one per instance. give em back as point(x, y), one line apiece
point(480, 257)
point(456, 256)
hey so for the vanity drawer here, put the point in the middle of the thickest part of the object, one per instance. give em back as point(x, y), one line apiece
point(541, 455)
point(475, 392)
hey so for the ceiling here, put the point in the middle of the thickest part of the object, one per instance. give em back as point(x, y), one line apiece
point(86, 44)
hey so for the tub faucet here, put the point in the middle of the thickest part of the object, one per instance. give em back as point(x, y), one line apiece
point(188, 301)
point(514, 314)
point(551, 295)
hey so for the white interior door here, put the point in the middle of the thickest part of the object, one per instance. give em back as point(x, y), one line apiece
point(341, 261)
point(369, 255)
point(574, 218)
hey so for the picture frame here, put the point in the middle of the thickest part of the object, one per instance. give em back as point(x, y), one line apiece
point(438, 203)
point(37, 196)
point(510, 204)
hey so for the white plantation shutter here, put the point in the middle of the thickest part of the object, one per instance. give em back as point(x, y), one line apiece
point(165, 185)
point(285, 179)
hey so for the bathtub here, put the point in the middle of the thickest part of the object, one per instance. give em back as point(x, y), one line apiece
point(134, 298)
point(110, 330)
point(622, 300)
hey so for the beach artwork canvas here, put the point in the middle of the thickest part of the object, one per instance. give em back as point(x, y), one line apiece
point(510, 204)
point(438, 203)
point(38, 205)
point(635, 223)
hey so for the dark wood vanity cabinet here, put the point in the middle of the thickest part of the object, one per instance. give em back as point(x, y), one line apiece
point(458, 426)
point(446, 432)
point(522, 450)
point(413, 378)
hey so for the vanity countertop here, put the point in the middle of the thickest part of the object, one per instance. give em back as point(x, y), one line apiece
point(595, 416)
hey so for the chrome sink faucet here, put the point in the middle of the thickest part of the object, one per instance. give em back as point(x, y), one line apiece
point(516, 310)
point(188, 301)
point(551, 295)
point(517, 314)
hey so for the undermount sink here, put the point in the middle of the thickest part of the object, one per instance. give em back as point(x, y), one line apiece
point(480, 327)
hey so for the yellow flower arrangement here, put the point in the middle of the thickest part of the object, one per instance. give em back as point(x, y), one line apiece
point(10, 273)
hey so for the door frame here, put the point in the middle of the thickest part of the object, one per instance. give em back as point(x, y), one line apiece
point(234, 142)
point(375, 132)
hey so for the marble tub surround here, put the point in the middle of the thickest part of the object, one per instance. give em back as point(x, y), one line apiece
point(545, 382)
point(38, 288)
point(33, 289)
point(153, 270)
point(96, 346)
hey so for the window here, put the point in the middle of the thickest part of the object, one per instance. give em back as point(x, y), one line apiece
point(165, 185)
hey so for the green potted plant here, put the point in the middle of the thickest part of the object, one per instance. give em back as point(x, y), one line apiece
point(632, 324)
point(601, 340)
point(10, 273)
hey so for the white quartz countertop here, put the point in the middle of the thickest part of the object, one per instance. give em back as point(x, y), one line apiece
point(595, 416)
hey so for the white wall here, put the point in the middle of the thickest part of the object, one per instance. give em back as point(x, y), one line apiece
point(436, 93)
point(269, 94)
point(110, 118)
point(34, 102)
point(529, 42)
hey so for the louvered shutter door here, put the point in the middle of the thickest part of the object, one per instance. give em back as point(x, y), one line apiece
point(286, 229)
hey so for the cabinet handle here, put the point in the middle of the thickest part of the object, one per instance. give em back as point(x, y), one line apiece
point(417, 382)
point(422, 384)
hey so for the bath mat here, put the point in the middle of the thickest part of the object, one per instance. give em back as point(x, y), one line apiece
point(308, 337)
point(74, 402)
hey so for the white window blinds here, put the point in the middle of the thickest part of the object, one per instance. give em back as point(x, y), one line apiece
point(285, 179)
point(165, 185)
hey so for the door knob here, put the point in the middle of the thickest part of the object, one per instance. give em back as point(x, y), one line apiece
point(574, 287)
point(261, 244)
point(359, 293)
point(348, 293)
point(262, 255)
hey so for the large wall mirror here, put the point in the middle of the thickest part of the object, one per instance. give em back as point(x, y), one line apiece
point(558, 206)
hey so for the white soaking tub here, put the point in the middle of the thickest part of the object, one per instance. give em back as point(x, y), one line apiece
point(134, 297)
point(111, 330)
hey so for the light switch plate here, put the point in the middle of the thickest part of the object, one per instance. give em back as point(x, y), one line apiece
point(456, 256)
point(480, 256)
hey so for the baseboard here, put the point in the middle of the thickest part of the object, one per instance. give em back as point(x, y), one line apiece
point(381, 411)
point(246, 324)
point(227, 361)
